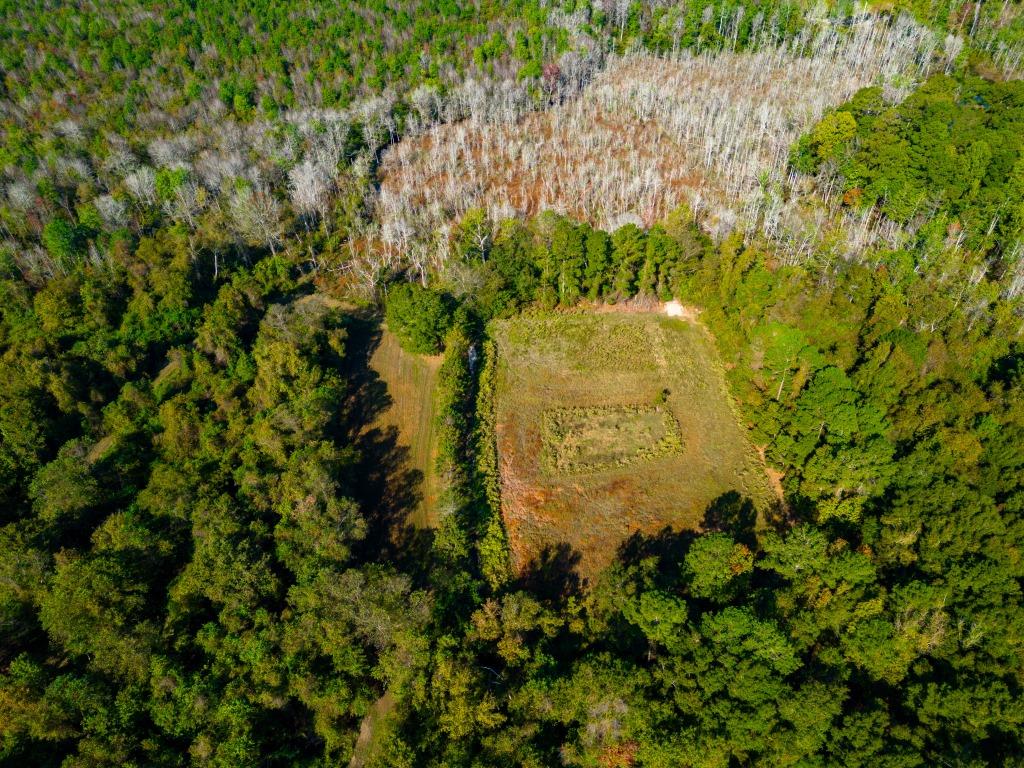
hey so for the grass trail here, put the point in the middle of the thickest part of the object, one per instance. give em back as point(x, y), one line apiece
point(410, 381)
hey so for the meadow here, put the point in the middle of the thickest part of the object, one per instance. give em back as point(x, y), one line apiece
point(409, 416)
point(613, 423)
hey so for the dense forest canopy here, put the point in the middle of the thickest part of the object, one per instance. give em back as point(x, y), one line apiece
point(205, 557)
point(950, 155)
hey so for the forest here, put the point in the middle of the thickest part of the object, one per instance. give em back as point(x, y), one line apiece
point(208, 211)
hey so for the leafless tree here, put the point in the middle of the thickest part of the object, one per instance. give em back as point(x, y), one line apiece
point(112, 211)
point(647, 133)
point(21, 195)
point(141, 183)
point(309, 184)
point(256, 216)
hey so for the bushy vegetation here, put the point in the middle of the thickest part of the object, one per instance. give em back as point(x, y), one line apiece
point(194, 566)
point(596, 438)
point(211, 602)
point(419, 317)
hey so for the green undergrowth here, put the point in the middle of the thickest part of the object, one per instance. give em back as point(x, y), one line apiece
point(597, 438)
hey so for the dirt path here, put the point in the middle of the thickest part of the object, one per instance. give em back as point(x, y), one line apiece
point(364, 744)
point(774, 476)
point(683, 311)
point(648, 305)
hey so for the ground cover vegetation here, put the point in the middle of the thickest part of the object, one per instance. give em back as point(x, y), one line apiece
point(591, 439)
point(611, 423)
point(206, 555)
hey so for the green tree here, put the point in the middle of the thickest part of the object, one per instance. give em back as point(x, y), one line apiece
point(717, 566)
point(832, 133)
point(419, 317)
point(61, 240)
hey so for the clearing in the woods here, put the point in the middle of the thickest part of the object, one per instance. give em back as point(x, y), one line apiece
point(609, 424)
point(410, 380)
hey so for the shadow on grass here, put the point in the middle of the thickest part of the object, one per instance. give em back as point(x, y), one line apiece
point(667, 546)
point(734, 514)
point(730, 513)
point(368, 395)
point(553, 575)
point(384, 484)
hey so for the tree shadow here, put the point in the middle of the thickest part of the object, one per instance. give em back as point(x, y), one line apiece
point(1006, 368)
point(668, 547)
point(389, 492)
point(553, 575)
point(367, 394)
point(778, 516)
point(734, 514)
point(796, 508)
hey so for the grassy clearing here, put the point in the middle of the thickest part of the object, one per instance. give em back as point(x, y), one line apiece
point(410, 380)
point(612, 423)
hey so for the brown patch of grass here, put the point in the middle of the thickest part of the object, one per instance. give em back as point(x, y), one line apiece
point(613, 362)
point(618, 755)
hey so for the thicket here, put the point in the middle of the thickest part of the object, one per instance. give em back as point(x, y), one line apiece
point(556, 262)
point(470, 543)
point(206, 605)
point(495, 561)
point(419, 317)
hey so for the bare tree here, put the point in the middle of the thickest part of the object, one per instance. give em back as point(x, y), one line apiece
point(141, 183)
point(112, 211)
point(309, 185)
point(648, 133)
point(256, 216)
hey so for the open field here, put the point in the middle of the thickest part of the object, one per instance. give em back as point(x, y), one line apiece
point(609, 424)
point(410, 381)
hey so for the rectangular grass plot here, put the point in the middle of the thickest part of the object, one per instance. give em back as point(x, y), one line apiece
point(594, 439)
point(610, 423)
